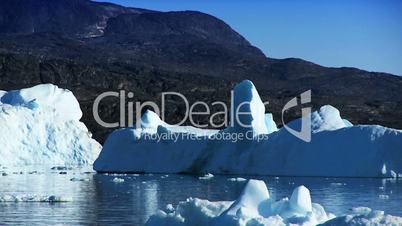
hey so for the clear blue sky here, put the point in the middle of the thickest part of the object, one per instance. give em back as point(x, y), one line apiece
point(362, 33)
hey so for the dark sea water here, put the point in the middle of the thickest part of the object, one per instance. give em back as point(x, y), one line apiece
point(102, 201)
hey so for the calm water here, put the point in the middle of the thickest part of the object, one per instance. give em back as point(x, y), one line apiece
point(133, 201)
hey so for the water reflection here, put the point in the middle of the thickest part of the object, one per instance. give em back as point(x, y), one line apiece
point(103, 201)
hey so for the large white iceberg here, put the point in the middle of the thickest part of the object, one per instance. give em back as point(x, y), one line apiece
point(254, 207)
point(40, 126)
point(337, 147)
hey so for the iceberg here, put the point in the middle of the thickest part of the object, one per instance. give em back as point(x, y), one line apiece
point(62, 101)
point(270, 123)
point(253, 207)
point(369, 217)
point(40, 126)
point(327, 118)
point(337, 148)
point(248, 111)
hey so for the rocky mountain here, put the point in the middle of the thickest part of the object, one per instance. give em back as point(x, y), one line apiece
point(91, 47)
point(75, 18)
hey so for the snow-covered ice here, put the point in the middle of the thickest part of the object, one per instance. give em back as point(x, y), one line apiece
point(40, 125)
point(253, 207)
point(367, 217)
point(270, 123)
point(337, 148)
point(62, 101)
point(247, 100)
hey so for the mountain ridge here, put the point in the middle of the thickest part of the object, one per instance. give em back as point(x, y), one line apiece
point(150, 52)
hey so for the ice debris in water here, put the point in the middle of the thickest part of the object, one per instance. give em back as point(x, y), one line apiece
point(366, 217)
point(360, 210)
point(116, 174)
point(118, 180)
point(237, 179)
point(206, 176)
point(255, 207)
point(383, 196)
point(34, 198)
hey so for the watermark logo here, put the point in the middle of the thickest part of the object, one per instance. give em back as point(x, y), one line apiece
point(305, 132)
point(128, 108)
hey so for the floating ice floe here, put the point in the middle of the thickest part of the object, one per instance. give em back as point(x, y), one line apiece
point(338, 184)
point(367, 218)
point(40, 126)
point(34, 198)
point(237, 179)
point(383, 196)
point(337, 148)
point(255, 207)
point(118, 180)
point(207, 176)
point(116, 174)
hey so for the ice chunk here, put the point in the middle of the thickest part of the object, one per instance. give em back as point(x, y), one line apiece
point(300, 201)
point(206, 176)
point(253, 207)
point(327, 118)
point(46, 96)
point(252, 202)
point(237, 179)
point(118, 180)
point(2, 93)
point(40, 125)
point(192, 212)
point(384, 169)
point(248, 112)
point(150, 120)
point(383, 196)
point(270, 123)
point(170, 208)
point(361, 210)
point(393, 174)
point(34, 198)
point(347, 123)
point(368, 217)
